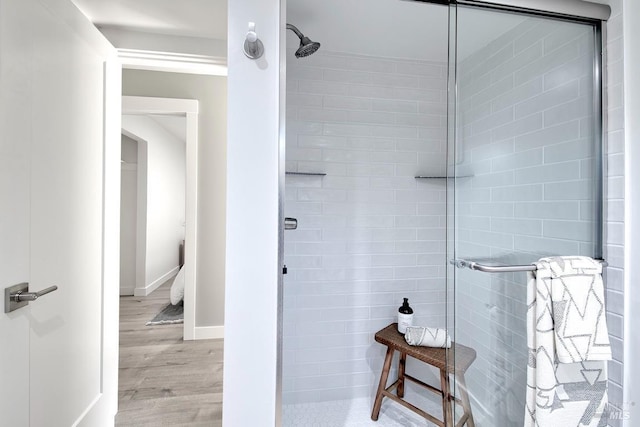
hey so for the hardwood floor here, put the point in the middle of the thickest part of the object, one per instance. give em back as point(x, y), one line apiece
point(165, 381)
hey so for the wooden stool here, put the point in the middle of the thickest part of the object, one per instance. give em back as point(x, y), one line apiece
point(437, 357)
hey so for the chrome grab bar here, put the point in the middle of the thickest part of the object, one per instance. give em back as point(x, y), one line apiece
point(462, 263)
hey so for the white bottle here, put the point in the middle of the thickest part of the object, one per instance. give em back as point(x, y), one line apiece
point(405, 316)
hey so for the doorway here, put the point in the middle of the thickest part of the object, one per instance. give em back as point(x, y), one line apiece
point(160, 362)
point(166, 187)
point(197, 346)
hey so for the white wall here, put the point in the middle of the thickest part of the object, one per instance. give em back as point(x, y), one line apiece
point(632, 195)
point(165, 199)
point(128, 215)
point(251, 323)
point(369, 233)
point(211, 93)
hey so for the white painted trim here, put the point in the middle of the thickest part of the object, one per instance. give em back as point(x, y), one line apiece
point(105, 411)
point(208, 332)
point(173, 62)
point(191, 227)
point(189, 109)
point(148, 105)
point(143, 292)
point(129, 166)
point(141, 210)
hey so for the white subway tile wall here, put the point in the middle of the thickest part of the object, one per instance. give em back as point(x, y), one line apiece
point(369, 233)
point(614, 210)
point(527, 136)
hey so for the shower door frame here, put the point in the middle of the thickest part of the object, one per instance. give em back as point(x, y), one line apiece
point(567, 10)
point(572, 11)
point(582, 10)
point(579, 9)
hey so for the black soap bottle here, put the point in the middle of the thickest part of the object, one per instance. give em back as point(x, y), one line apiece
point(405, 316)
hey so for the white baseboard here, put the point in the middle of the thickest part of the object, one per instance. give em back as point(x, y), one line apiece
point(127, 292)
point(143, 292)
point(208, 332)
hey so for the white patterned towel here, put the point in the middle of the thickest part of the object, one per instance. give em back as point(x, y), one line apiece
point(427, 337)
point(565, 394)
point(580, 323)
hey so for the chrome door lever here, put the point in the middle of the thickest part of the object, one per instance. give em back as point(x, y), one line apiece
point(18, 296)
point(32, 296)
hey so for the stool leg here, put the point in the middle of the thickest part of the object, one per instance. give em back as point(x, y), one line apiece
point(464, 397)
point(401, 367)
point(446, 398)
point(383, 384)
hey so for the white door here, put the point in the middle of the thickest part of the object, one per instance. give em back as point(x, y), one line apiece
point(55, 353)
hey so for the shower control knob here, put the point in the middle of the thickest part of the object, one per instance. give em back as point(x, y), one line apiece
point(252, 37)
point(253, 47)
point(290, 223)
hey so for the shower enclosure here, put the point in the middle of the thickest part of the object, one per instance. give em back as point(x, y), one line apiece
point(526, 169)
point(409, 162)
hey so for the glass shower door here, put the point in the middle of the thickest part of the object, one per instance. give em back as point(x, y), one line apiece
point(524, 161)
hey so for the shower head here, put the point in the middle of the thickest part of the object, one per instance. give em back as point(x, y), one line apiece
point(307, 47)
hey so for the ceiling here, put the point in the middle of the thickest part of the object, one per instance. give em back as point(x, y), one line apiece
point(175, 125)
point(193, 18)
point(387, 28)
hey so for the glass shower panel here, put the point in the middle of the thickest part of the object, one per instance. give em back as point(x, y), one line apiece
point(365, 177)
point(525, 165)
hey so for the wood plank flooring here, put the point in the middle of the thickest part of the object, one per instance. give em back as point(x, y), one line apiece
point(165, 381)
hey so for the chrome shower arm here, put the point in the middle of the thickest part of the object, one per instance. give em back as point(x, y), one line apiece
point(295, 30)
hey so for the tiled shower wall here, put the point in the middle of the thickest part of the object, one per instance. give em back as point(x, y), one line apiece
point(526, 147)
point(331, 316)
point(614, 214)
point(369, 233)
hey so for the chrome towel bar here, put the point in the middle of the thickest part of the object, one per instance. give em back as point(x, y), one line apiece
point(461, 263)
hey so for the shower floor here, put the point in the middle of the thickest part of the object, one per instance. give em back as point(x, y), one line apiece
point(356, 413)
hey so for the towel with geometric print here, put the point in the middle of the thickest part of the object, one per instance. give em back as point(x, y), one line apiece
point(427, 337)
point(579, 315)
point(561, 291)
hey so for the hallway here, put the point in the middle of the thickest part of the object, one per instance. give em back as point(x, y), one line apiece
point(163, 379)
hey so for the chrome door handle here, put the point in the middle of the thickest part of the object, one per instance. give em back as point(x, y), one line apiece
point(18, 296)
point(32, 296)
point(290, 223)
